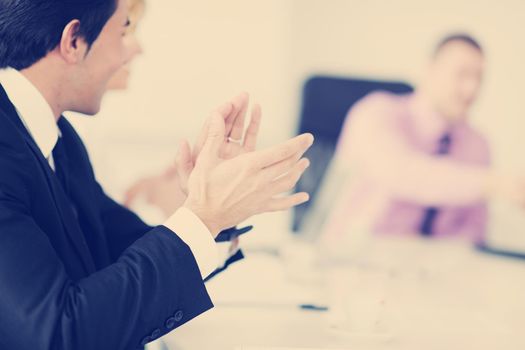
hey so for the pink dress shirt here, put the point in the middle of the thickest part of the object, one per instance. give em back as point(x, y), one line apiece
point(388, 148)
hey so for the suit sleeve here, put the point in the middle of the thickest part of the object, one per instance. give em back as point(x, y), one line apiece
point(122, 226)
point(153, 287)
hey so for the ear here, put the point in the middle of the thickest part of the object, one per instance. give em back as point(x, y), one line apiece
point(72, 47)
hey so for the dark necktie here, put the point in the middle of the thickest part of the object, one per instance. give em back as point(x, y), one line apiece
point(61, 170)
point(431, 213)
point(60, 160)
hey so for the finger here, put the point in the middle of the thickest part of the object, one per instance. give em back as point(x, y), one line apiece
point(250, 139)
point(133, 192)
point(171, 171)
point(130, 196)
point(274, 171)
point(184, 163)
point(228, 111)
point(276, 154)
point(224, 110)
point(241, 103)
point(201, 140)
point(287, 182)
point(285, 203)
point(214, 139)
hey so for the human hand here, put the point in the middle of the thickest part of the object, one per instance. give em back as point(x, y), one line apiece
point(223, 193)
point(162, 191)
point(236, 141)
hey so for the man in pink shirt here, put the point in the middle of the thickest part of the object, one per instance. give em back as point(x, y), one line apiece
point(413, 163)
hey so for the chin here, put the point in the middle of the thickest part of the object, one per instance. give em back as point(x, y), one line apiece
point(119, 81)
point(118, 85)
point(90, 109)
point(91, 112)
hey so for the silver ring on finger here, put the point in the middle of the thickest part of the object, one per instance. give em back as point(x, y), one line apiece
point(232, 140)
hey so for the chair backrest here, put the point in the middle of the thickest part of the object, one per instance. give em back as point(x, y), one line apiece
point(325, 104)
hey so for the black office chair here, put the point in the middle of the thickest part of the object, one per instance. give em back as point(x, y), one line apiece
point(326, 102)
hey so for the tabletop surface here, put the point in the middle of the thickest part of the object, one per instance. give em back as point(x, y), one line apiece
point(400, 294)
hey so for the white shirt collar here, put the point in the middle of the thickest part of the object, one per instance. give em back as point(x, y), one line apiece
point(32, 108)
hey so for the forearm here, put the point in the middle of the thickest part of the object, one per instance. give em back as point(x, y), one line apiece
point(430, 181)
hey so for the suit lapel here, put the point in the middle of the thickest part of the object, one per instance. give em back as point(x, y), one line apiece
point(82, 194)
point(67, 215)
point(62, 202)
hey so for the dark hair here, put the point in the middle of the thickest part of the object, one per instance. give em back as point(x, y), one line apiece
point(458, 37)
point(30, 29)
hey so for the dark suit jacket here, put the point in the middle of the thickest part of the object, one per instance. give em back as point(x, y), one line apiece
point(77, 270)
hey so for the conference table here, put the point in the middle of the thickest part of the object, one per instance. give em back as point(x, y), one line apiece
point(397, 293)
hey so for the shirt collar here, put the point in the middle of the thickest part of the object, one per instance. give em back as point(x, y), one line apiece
point(34, 111)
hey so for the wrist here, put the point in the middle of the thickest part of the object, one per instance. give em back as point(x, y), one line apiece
point(204, 216)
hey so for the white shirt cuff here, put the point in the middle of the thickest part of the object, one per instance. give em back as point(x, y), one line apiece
point(196, 235)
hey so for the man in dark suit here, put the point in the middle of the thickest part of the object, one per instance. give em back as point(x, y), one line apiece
point(77, 270)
